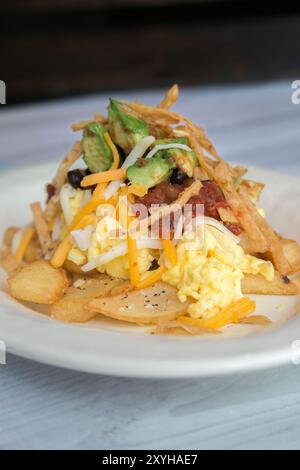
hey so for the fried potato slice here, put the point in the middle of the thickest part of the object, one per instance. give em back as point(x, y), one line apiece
point(145, 306)
point(177, 327)
point(257, 284)
point(72, 306)
point(38, 282)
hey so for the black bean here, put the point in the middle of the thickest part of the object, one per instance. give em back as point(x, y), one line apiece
point(75, 177)
point(178, 176)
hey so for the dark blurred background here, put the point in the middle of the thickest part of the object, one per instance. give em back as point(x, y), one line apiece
point(57, 48)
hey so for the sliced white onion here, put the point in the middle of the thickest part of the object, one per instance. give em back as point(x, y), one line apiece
point(120, 250)
point(218, 225)
point(137, 152)
point(87, 194)
point(82, 237)
point(64, 198)
point(159, 147)
point(16, 240)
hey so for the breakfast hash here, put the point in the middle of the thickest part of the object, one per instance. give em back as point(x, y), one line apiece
point(144, 222)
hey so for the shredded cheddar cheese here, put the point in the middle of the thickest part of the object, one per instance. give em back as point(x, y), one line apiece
point(61, 252)
point(231, 314)
point(24, 242)
point(103, 177)
point(114, 151)
point(154, 276)
point(64, 247)
point(170, 251)
point(137, 190)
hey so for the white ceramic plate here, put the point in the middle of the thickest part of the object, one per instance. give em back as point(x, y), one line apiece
point(110, 347)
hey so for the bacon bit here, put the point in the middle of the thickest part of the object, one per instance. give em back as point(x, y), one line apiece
point(50, 188)
point(234, 228)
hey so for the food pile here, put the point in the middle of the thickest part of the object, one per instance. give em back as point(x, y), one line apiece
point(144, 222)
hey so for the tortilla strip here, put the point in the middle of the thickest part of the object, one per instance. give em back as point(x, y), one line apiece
point(170, 98)
point(52, 209)
point(67, 162)
point(164, 211)
point(242, 211)
point(78, 126)
point(275, 248)
point(41, 227)
point(163, 116)
point(200, 155)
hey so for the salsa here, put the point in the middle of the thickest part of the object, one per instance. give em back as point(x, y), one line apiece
point(210, 195)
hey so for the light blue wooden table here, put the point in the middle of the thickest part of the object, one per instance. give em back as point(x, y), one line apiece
point(43, 407)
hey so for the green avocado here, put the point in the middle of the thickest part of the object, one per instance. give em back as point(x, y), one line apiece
point(185, 160)
point(96, 152)
point(125, 126)
point(152, 171)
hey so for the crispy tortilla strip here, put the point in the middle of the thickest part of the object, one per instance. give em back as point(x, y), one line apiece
point(164, 211)
point(239, 171)
point(276, 249)
point(52, 210)
point(33, 251)
point(291, 252)
point(253, 189)
point(170, 98)
point(38, 282)
point(67, 162)
point(78, 126)
point(257, 284)
point(256, 320)
point(146, 306)
point(160, 116)
point(7, 261)
point(226, 215)
point(71, 307)
point(200, 174)
point(164, 117)
point(9, 235)
point(41, 227)
point(201, 137)
point(203, 161)
point(241, 207)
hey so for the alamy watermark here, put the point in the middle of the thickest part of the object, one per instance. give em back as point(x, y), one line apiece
point(2, 92)
point(295, 97)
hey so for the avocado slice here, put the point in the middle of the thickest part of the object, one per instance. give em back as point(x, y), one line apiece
point(152, 171)
point(126, 127)
point(185, 160)
point(96, 152)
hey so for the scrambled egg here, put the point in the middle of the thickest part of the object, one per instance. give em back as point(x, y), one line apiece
point(101, 241)
point(209, 268)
